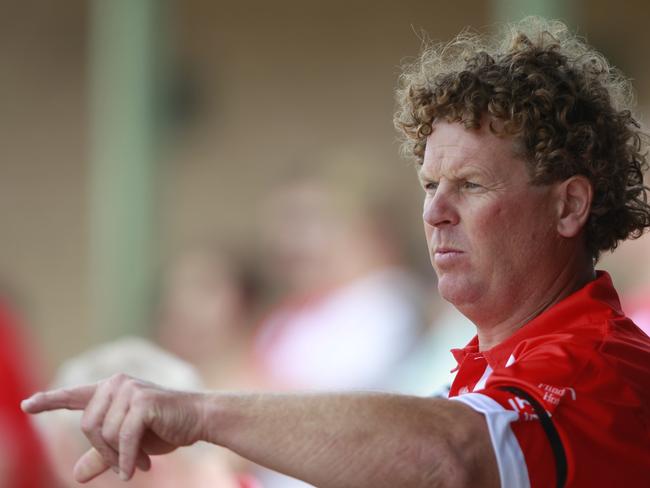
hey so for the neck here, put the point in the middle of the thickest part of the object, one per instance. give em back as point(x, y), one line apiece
point(565, 282)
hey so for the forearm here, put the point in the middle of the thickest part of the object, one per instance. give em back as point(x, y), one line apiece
point(347, 440)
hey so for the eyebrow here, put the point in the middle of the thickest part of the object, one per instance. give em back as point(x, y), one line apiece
point(463, 173)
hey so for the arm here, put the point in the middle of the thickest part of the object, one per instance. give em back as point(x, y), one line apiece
point(356, 440)
point(330, 440)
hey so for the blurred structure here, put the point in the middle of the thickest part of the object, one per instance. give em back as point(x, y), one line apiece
point(508, 10)
point(22, 459)
point(126, 43)
point(200, 465)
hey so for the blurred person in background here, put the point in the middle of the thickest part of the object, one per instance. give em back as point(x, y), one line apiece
point(205, 314)
point(348, 310)
point(429, 369)
point(207, 302)
point(22, 457)
point(202, 466)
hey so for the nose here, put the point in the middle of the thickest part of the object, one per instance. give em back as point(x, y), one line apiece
point(439, 209)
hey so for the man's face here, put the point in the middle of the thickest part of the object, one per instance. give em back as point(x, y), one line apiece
point(489, 231)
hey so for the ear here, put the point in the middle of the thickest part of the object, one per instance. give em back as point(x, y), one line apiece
point(574, 204)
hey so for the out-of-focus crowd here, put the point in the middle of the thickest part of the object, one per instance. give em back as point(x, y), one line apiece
point(326, 302)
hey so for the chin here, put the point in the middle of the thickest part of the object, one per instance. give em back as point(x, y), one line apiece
point(457, 291)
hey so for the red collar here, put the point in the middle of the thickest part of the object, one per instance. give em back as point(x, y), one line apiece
point(597, 300)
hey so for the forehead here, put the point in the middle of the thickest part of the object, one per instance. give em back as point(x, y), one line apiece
point(451, 148)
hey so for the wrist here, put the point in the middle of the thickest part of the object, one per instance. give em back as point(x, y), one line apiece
point(217, 416)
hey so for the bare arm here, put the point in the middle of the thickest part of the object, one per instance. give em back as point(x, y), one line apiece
point(357, 440)
point(330, 440)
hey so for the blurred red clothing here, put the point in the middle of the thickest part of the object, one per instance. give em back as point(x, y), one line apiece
point(22, 459)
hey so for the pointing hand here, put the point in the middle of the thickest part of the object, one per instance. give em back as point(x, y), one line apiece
point(125, 420)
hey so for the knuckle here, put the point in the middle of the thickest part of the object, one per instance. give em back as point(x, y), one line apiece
point(143, 399)
point(139, 398)
point(88, 425)
point(118, 378)
point(109, 434)
point(130, 387)
point(131, 384)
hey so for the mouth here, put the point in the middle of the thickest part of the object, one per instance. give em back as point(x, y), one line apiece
point(446, 250)
point(446, 256)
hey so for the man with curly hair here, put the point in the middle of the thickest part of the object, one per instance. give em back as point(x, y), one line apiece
point(531, 166)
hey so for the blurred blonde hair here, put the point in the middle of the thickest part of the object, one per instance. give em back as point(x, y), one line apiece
point(130, 355)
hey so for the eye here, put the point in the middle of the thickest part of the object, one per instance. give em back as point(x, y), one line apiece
point(430, 186)
point(470, 185)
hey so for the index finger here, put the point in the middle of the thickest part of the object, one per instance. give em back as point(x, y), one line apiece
point(69, 398)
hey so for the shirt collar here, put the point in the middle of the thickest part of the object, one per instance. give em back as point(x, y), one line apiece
point(596, 300)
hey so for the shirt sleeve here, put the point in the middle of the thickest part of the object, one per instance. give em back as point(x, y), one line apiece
point(522, 448)
point(523, 403)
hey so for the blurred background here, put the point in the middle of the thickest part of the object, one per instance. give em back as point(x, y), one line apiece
point(223, 178)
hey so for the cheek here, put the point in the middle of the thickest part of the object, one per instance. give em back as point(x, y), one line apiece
point(489, 224)
point(498, 232)
point(521, 228)
point(428, 232)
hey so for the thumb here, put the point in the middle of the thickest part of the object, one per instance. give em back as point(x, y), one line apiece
point(91, 464)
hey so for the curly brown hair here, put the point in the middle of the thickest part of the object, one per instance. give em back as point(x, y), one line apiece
point(565, 106)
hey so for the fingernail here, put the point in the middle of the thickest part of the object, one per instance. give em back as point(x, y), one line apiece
point(123, 476)
point(25, 404)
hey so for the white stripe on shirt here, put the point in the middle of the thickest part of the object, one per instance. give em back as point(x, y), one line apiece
point(510, 458)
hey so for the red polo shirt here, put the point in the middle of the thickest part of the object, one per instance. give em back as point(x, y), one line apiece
point(567, 397)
